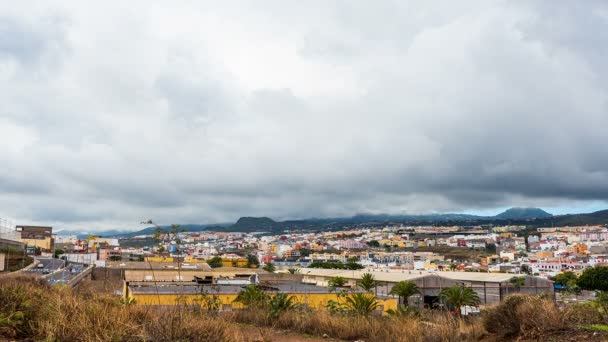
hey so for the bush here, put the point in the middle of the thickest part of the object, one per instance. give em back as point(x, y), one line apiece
point(584, 313)
point(524, 315)
point(502, 319)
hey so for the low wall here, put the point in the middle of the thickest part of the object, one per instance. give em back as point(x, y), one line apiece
point(77, 279)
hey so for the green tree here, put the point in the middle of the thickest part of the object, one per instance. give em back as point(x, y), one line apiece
point(252, 295)
point(458, 296)
point(404, 289)
point(253, 261)
point(373, 243)
point(595, 278)
point(525, 269)
point(361, 303)
point(115, 258)
point(279, 303)
point(58, 252)
point(491, 248)
point(453, 267)
point(367, 282)
point(215, 262)
point(572, 287)
point(336, 265)
point(565, 278)
point(517, 282)
point(304, 252)
point(293, 270)
point(269, 267)
point(353, 266)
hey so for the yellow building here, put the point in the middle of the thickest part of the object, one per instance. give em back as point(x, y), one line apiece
point(177, 288)
point(38, 236)
point(544, 255)
point(311, 300)
point(580, 248)
point(45, 244)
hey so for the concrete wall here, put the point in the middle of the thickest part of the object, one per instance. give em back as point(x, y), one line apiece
point(2, 262)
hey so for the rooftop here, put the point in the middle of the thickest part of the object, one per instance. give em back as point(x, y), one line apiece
point(400, 275)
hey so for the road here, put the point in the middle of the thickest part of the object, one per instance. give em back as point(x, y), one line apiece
point(58, 270)
point(48, 266)
point(66, 274)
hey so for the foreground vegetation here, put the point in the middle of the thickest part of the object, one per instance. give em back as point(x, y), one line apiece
point(33, 310)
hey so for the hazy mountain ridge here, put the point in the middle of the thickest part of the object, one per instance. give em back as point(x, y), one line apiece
point(251, 224)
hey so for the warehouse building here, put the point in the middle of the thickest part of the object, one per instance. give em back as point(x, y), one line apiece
point(491, 287)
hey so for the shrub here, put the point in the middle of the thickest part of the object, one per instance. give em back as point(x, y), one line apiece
point(584, 313)
point(502, 319)
point(539, 317)
point(524, 315)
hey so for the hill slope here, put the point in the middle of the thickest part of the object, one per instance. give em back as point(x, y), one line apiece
point(522, 214)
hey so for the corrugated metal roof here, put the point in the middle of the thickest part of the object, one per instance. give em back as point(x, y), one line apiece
point(396, 276)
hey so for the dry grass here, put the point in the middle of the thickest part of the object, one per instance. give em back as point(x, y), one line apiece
point(33, 310)
point(437, 328)
point(525, 316)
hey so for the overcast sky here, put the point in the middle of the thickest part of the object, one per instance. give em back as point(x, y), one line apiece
point(200, 111)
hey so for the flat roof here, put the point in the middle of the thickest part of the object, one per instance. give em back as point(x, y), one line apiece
point(171, 266)
point(401, 275)
point(223, 289)
point(186, 275)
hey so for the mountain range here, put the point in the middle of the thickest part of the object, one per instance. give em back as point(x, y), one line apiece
point(528, 216)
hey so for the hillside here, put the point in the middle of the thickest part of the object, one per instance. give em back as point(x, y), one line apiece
point(255, 223)
point(522, 214)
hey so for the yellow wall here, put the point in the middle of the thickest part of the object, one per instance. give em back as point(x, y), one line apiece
point(159, 259)
point(242, 262)
point(45, 244)
point(192, 260)
point(313, 300)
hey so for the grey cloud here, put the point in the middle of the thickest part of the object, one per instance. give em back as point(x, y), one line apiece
point(326, 110)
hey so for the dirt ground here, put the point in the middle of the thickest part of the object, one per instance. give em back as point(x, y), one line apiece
point(270, 335)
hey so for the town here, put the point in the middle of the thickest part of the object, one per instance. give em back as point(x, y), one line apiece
point(489, 255)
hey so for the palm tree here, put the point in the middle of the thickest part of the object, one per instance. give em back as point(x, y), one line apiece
point(404, 289)
point(459, 296)
point(336, 282)
point(269, 267)
point(252, 295)
point(293, 270)
point(403, 311)
point(367, 282)
point(279, 303)
point(361, 303)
